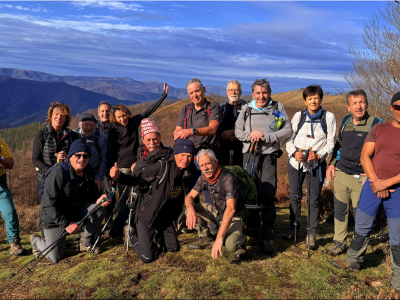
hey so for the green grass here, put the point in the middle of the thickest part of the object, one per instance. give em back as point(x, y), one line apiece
point(288, 273)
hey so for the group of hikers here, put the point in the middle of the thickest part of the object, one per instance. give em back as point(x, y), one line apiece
point(159, 185)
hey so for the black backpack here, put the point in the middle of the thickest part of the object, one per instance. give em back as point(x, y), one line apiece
point(66, 176)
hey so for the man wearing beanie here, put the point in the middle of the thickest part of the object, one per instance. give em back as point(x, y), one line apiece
point(381, 163)
point(163, 177)
point(97, 142)
point(68, 195)
point(225, 191)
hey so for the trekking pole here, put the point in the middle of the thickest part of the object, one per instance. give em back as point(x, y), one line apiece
point(231, 157)
point(379, 237)
point(308, 204)
point(49, 248)
point(129, 222)
point(108, 220)
point(248, 158)
point(298, 198)
point(254, 159)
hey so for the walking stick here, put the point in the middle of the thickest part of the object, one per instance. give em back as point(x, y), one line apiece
point(254, 159)
point(108, 220)
point(250, 151)
point(308, 204)
point(50, 248)
point(129, 223)
point(298, 198)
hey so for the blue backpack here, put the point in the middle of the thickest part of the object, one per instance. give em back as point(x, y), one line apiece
point(66, 176)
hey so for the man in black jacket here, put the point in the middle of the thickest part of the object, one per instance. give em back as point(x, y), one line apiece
point(67, 198)
point(167, 177)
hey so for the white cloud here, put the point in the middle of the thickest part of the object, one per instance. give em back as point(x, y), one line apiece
point(24, 8)
point(113, 5)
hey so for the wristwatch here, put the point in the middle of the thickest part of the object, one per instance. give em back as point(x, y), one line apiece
point(194, 131)
point(1, 158)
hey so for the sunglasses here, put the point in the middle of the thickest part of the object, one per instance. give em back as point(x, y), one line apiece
point(85, 156)
point(396, 107)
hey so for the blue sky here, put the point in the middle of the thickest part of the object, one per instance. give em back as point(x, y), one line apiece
point(293, 44)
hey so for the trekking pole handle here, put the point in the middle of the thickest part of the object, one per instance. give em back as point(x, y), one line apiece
point(252, 146)
point(255, 146)
point(300, 151)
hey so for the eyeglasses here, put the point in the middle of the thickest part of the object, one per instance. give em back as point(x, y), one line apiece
point(85, 156)
point(396, 107)
point(233, 90)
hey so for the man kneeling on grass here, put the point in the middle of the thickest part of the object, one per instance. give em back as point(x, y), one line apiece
point(68, 195)
point(224, 190)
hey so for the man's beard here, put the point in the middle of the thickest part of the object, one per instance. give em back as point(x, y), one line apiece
point(234, 98)
point(155, 146)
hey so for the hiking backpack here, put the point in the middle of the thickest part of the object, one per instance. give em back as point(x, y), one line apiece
point(303, 118)
point(248, 114)
point(345, 119)
point(65, 171)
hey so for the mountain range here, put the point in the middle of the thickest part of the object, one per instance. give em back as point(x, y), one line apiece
point(122, 88)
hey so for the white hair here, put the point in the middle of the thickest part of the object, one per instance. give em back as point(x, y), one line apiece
point(209, 152)
point(234, 81)
point(195, 80)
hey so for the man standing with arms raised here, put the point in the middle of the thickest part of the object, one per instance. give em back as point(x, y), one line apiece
point(345, 165)
point(255, 124)
point(230, 111)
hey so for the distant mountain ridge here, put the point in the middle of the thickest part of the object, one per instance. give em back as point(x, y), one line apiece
point(25, 101)
point(123, 88)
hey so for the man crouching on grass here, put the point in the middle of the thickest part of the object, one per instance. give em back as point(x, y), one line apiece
point(224, 190)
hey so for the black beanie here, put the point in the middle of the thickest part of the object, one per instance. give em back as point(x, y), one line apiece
point(183, 146)
point(78, 146)
point(88, 117)
point(395, 98)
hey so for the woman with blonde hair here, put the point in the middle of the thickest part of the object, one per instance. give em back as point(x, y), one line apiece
point(51, 144)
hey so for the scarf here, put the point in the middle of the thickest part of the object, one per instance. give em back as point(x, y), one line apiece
point(316, 116)
point(254, 106)
point(214, 178)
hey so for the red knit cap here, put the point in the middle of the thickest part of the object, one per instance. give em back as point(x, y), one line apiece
point(148, 126)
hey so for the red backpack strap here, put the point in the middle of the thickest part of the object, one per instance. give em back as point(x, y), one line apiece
point(208, 109)
point(187, 109)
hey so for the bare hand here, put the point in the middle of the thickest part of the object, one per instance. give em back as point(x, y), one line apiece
point(378, 185)
point(72, 227)
point(217, 247)
point(100, 184)
point(110, 183)
point(256, 136)
point(133, 166)
point(228, 134)
point(183, 134)
point(191, 219)
point(312, 156)
point(115, 172)
point(298, 156)
point(165, 88)
point(329, 171)
point(104, 204)
point(62, 155)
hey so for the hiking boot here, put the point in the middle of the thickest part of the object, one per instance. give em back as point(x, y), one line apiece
point(241, 252)
point(202, 243)
point(185, 229)
point(126, 238)
point(289, 235)
point(394, 286)
point(347, 263)
point(35, 251)
point(86, 245)
point(269, 246)
point(338, 248)
point(105, 236)
point(16, 248)
point(310, 241)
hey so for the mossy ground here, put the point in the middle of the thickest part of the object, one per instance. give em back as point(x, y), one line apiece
point(288, 273)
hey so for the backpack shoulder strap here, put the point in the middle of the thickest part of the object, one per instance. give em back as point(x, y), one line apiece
point(96, 141)
point(376, 121)
point(301, 123)
point(323, 123)
point(342, 126)
point(247, 113)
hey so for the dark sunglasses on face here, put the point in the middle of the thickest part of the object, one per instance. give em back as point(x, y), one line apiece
point(396, 107)
point(85, 156)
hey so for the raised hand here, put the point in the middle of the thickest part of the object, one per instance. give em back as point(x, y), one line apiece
point(115, 172)
point(165, 89)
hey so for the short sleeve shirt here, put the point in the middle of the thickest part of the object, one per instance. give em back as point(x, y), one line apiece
point(386, 158)
point(5, 152)
point(199, 119)
point(231, 185)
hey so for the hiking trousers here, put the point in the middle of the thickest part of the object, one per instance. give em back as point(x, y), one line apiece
point(316, 187)
point(368, 207)
point(142, 242)
point(265, 177)
point(53, 234)
point(9, 214)
point(347, 191)
point(234, 237)
point(126, 171)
